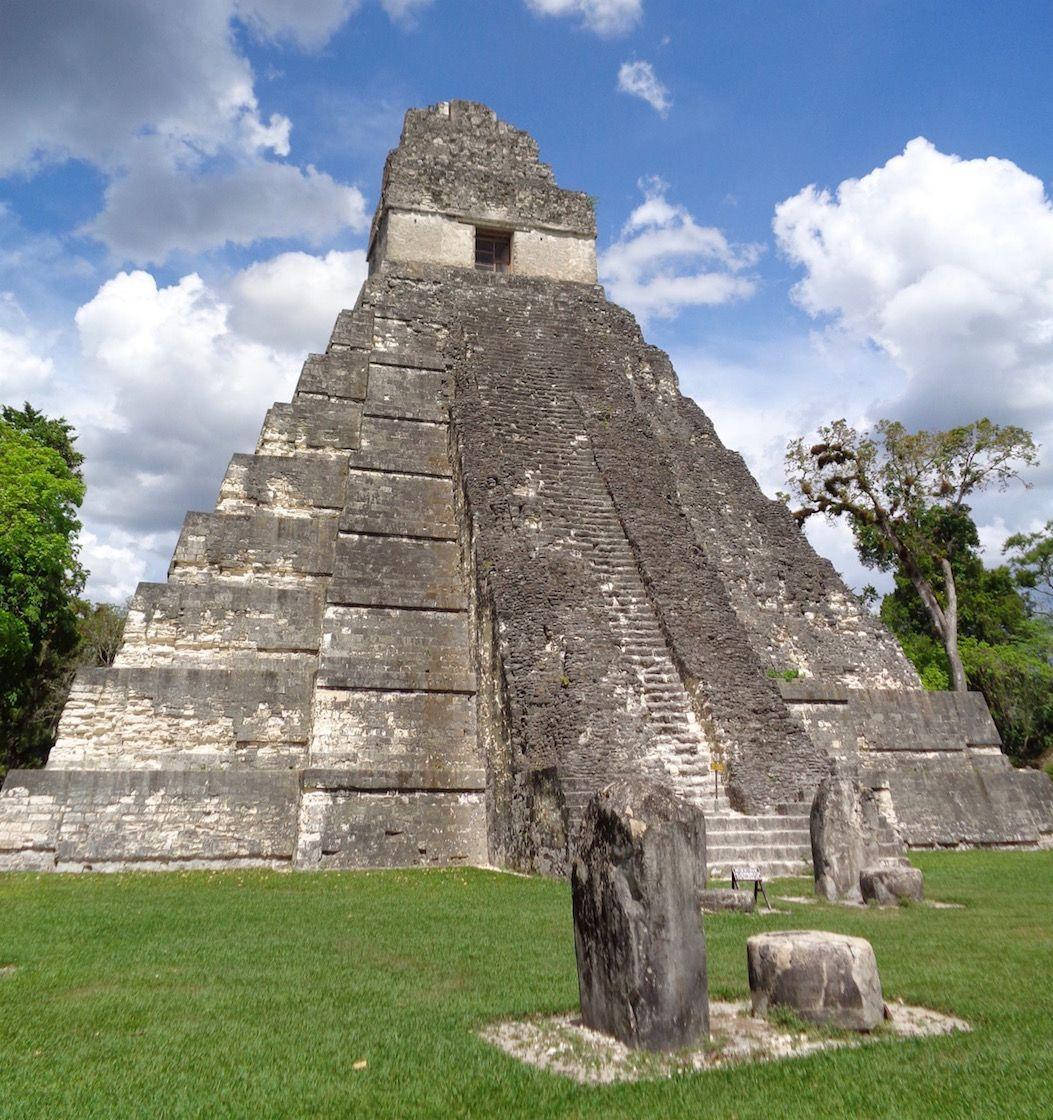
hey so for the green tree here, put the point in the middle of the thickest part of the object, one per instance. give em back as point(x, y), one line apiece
point(41, 490)
point(904, 495)
point(1005, 652)
point(1031, 562)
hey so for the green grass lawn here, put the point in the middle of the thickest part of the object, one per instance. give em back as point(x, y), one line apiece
point(255, 993)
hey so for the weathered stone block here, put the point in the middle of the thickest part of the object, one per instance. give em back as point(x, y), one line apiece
point(413, 394)
point(375, 647)
point(394, 572)
point(349, 827)
point(297, 483)
point(825, 978)
point(409, 505)
point(715, 899)
point(410, 447)
point(636, 879)
point(434, 731)
point(261, 545)
point(340, 373)
point(843, 842)
point(311, 425)
point(890, 884)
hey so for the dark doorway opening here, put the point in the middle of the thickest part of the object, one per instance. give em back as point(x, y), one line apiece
point(493, 250)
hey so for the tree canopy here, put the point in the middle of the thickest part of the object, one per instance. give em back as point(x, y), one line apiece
point(40, 577)
point(905, 496)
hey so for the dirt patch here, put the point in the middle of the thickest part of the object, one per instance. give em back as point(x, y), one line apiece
point(560, 1044)
point(8, 969)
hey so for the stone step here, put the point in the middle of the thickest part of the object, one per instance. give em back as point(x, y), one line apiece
point(254, 545)
point(181, 716)
point(74, 820)
point(283, 483)
point(396, 731)
point(397, 572)
point(353, 328)
point(310, 425)
point(749, 853)
point(186, 621)
point(400, 505)
point(769, 868)
point(406, 393)
point(382, 648)
point(402, 339)
point(339, 374)
point(749, 836)
point(409, 447)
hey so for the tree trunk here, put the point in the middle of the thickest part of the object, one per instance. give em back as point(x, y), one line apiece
point(950, 630)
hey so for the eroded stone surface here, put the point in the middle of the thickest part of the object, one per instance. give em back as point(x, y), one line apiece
point(715, 899)
point(889, 885)
point(825, 978)
point(640, 948)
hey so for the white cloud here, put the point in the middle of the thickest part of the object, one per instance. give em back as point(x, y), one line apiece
point(945, 264)
point(309, 23)
point(158, 209)
point(289, 302)
point(664, 261)
point(159, 98)
point(166, 389)
point(23, 373)
point(605, 17)
point(639, 79)
point(404, 11)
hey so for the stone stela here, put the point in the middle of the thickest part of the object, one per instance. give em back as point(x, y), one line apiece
point(487, 560)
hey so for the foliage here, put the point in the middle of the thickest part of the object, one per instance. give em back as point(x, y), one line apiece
point(178, 995)
point(1031, 562)
point(1005, 653)
point(101, 628)
point(904, 495)
point(40, 578)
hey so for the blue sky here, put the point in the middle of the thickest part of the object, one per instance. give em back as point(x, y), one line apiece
point(819, 209)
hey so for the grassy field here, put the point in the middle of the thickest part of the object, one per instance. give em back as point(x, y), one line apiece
point(255, 994)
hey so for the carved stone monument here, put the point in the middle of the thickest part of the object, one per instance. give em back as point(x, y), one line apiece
point(636, 881)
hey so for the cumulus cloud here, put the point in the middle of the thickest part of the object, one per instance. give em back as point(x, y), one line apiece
point(158, 209)
point(640, 80)
point(946, 264)
point(405, 11)
point(663, 260)
point(159, 98)
point(166, 382)
point(310, 25)
point(289, 302)
point(604, 17)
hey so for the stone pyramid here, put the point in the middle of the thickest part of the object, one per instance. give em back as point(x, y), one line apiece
point(488, 558)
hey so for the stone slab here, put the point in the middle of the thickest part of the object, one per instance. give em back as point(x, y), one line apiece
point(254, 544)
point(434, 731)
point(311, 424)
point(399, 504)
point(340, 373)
point(378, 648)
point(406, 393)
point(179, 716)
point(405, 446)
point(352, 829)
point(284, 482)
point(97, 819)
point(395, 572)
point(187, 621)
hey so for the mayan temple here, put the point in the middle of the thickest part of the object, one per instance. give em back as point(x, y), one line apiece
point(488, 558)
